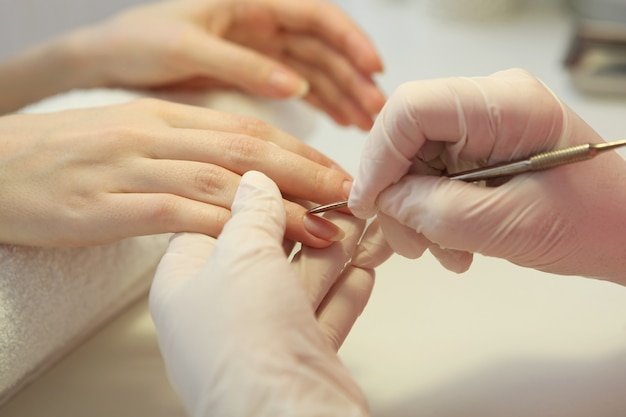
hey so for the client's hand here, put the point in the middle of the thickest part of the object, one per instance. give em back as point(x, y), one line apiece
point(275, 48)
point(239, 332)
point(92, 176)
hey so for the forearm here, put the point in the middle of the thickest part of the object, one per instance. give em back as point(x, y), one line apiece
point(43, 70)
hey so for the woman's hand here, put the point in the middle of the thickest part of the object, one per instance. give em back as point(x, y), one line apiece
point(275, 48)
point(92, 176)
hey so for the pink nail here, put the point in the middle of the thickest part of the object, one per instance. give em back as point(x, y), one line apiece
point(322, 228)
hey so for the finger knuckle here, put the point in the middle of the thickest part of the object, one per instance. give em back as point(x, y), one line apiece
point(242, 150)
point(322, 178)
point(118, 136)
point(211, 180)
point(255, 127)
point(163, 211)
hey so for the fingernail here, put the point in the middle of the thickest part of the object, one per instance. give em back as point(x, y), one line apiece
point(322, 228)
point(347, 187)
point(363, 53)
point(286, 82)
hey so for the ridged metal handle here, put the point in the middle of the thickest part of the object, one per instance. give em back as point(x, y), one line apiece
point(558, 157)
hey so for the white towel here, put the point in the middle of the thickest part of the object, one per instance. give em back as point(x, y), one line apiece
point(51, 299)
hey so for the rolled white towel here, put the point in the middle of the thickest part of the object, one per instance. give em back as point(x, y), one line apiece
point(51, 299)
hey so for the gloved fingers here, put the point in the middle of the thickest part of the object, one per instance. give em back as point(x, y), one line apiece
point(186, 255)
point(348, 296)
point(481, 120)
point(497, 221)
point(282, 337)
point(408, 243)
point(243, 322)
point(453, 260)
point(398, 135)
point(402, 238)
point(320, 268)
point(434, 208)
point(275, 346)
point(373, 249)
point(253, 236)
point(378, 156)
point(344, 303)
point(257, 226)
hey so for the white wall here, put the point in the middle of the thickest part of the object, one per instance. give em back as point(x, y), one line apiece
point(23, 22)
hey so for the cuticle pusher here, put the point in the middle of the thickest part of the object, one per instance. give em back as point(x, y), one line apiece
point(537, 162)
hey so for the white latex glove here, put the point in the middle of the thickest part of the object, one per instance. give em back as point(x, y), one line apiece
point(236, 326)
point(566, 220)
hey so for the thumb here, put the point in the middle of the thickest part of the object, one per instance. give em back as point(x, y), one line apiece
point(186, 255)
point(244, 68)
point(256, 230)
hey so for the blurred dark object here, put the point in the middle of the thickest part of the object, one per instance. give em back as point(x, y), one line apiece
point(596, 59)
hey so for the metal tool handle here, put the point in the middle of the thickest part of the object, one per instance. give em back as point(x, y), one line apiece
point(537, 162)
point(494, 171)
point(558, 157)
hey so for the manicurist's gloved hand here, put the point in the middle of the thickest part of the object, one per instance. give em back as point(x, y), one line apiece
point(245, 333)
point(566, 220)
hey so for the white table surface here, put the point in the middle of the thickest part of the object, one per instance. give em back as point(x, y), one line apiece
point(498, 340)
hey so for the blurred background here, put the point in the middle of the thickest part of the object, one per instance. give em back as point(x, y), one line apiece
point(25, 22)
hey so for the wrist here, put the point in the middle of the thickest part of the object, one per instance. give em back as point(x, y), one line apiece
point(42, 71)
point(84, 58)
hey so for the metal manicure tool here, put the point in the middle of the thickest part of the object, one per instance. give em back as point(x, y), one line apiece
point(538, 162)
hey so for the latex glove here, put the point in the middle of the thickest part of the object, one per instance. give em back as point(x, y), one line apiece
point(275, 48)
point(566, 220)
point(239, 333)
point(92, 176)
